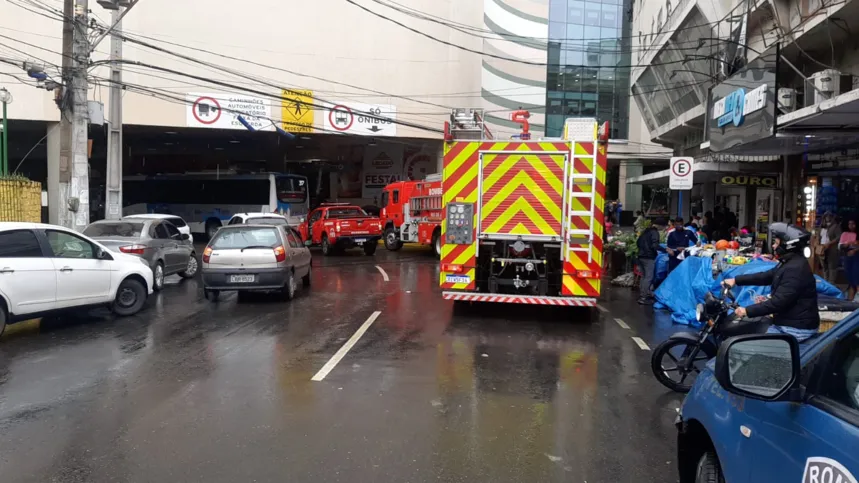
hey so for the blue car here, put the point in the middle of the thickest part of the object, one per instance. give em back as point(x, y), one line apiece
point(769, 410)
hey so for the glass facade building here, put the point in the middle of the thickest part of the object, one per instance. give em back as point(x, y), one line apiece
point(589, 64)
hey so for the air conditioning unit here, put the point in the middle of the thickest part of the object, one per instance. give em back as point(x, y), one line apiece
point(786, 99)
point(827, 84)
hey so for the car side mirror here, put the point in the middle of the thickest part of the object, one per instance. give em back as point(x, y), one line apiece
point(760, 366)
point(103, 255)
point(184, 237)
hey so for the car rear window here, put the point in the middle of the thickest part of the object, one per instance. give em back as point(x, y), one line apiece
point(345, 212)
point(266, 220)
point(177, 222)
point(244, 237)
point(123, 229)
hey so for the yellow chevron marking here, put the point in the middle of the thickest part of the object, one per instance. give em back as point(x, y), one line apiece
point(463, 156)
point(534, 160)
point(522, 179)
point(520, 205)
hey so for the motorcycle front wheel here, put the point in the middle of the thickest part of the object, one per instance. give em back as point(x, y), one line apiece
point(671, 364)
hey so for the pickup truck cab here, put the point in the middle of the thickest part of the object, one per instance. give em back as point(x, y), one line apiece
point(768, 409)
point(338, 226)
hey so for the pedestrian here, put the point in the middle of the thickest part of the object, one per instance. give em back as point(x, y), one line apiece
point(830, 235)
point(638, 224)
point(849, 247)
point(648, 249)
point(707, 227)
point(679, 240)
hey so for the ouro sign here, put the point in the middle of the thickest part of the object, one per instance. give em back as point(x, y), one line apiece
point(749, 180)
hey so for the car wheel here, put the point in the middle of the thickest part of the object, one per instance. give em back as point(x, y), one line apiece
point(130, 297)
point(212, 295)
point(305, 280)
point(327, 249)
point(191, 269)
point(392, 241)
point(289, 288)
point(436, 243)
point(709, 470)
point(158, 277)
point(370, 248)
point(3, 317)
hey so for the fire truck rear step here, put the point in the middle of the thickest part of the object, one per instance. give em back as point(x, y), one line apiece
point(520, 299)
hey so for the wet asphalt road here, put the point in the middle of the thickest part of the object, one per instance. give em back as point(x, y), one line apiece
point(195, 391)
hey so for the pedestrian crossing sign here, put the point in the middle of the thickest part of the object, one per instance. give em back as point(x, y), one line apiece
point(297, 111)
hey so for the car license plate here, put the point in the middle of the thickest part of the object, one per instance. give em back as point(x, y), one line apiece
point(241, 278)
point(360, 240)
point(457, 279)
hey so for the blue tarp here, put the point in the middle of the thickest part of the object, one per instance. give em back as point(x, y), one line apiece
point(687, 285)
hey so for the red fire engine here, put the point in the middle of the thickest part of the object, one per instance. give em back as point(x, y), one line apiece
point(412, 213)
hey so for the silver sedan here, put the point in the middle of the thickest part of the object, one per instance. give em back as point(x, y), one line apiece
point(159, 242)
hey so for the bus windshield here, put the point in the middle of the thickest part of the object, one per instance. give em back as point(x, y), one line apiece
point(291, 189)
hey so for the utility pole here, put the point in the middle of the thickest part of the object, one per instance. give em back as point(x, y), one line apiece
point(113, 194)
point(74, 162)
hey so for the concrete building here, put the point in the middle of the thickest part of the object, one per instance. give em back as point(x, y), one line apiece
point(787, 66)
point(558, 59)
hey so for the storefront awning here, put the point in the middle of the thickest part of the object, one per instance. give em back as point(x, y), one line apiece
point(708, 172)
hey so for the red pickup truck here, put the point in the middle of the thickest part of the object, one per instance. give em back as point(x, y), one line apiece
point(338, 226)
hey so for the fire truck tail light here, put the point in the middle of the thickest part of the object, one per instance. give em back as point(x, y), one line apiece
point(447, 267)
point(588, 274)
point(280, 254)
point(207, 254)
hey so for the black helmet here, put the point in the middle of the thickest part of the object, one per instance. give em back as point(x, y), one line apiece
point(793, 238)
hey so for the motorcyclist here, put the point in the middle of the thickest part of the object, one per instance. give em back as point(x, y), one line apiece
point(793, 301)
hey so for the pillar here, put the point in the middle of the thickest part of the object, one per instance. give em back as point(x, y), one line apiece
point(53, 146)
point(629, 194)
point(709, 195)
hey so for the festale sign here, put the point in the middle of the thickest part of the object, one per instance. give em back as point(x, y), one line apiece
point(734, 107)
point(221, 111)
point(750, 180)
point(297, 111)
point(361, 119)
point(681, 173)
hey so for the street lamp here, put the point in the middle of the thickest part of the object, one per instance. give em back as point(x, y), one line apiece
point(6, 99)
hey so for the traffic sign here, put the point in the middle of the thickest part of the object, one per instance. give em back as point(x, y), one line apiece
point(221, 111)
point(206, 110)
point(681, 173)
point(341, 118)
point(297, 111)
point(361, 119)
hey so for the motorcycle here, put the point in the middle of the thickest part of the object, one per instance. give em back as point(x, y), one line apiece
point(688, 352)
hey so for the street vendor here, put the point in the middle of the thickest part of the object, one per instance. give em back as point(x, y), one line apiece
point(678, 240)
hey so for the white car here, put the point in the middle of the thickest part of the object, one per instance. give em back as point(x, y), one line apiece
point(258, 219)
point(177, 221)
point(46, 269)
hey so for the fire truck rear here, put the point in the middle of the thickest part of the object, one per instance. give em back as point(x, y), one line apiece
point(523, 220)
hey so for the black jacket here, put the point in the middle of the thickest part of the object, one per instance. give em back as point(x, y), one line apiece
point(648, 243)
point(794, 293)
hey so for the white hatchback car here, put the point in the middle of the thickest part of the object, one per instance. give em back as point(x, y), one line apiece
point(275, 219)
point(177, 221)
point(46, 269)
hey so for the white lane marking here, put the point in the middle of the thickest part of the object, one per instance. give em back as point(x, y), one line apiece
point(384, 275)
point(641, 344)
point(332, 363)
point(602, 309)
point(622, 324)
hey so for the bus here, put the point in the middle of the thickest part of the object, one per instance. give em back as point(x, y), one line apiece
point(206, 200)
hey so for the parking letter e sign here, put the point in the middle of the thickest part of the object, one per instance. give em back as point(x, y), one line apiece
point(681, 173)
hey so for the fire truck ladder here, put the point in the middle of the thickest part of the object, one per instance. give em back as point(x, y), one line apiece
point(581, 239)
point(426, 204)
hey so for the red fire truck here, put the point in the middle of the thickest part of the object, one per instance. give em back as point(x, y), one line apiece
point(412, 213)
